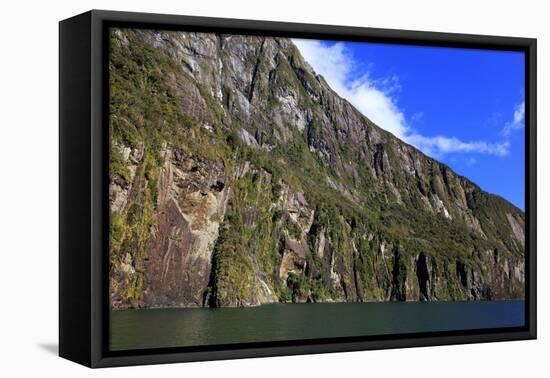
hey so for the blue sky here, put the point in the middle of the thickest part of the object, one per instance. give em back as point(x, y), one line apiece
point(464, 107)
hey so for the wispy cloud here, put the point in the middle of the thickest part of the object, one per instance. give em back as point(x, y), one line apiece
point(440, 145)
point(470, 162)
point(518, 122)
point(376, 99)
point(417, 117)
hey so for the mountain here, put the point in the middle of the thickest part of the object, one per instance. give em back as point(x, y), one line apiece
point(239, 177)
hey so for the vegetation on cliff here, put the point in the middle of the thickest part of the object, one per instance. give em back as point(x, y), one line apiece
point(238, 177)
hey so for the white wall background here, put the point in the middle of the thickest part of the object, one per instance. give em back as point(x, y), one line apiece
point(29, 189)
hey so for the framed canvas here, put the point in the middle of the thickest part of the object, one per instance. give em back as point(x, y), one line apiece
point(234, 188)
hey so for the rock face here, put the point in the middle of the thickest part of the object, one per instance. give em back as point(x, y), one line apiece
point(239, 177)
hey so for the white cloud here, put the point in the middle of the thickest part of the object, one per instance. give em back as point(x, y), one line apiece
point(374, 99)
point(337, 66)
point(518, 122)
point(438, 146)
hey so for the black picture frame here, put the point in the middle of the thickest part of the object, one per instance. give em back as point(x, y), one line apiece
point(83, 182)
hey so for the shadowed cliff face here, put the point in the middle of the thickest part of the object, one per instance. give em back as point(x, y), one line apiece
point(238, 177)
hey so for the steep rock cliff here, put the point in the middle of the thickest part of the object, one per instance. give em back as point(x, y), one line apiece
point(239, 177)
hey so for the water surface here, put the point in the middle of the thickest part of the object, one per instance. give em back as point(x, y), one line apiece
point(156, 328)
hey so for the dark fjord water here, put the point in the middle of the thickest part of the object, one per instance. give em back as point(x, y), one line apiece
point(156, 328)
